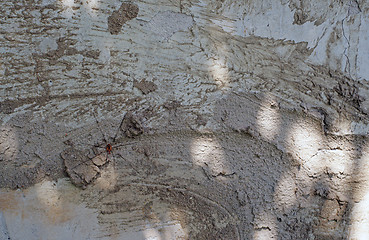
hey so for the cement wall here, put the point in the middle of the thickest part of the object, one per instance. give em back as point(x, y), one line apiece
point(180, 119)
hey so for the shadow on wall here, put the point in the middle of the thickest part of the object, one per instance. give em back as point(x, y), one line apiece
point(300, 178)
point(310, 192)
point(267, 169)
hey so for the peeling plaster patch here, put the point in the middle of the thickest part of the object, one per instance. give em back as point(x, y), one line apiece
point(167, 23)
point(126, 12)
point(82, 170)
point(107, 179)
point(276, 23)
point(299, 17)
point(131, 125)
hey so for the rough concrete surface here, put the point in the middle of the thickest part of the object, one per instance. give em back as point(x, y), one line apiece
point(184, 119)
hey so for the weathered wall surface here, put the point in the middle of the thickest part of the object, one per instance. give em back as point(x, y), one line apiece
point(226, 119)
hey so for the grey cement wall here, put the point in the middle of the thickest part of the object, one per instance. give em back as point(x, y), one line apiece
point(184, 119)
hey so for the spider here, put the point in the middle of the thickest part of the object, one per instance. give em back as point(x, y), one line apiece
point(108, 146)
point(127, 122)
point(83, 169)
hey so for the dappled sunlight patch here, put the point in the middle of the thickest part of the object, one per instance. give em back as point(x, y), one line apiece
point(336, 162)
point(68, 3)
point(91, 6)
point(285, 191)
point(264, 225)
point(208, 153)
point(107, 179)
point(359, 227)
point(268, 117)
point(67, 6)
point(51, 201)
point(164, 231)
point(304, 141)
point(218, 71)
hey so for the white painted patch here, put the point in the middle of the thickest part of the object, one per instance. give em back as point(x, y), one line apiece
point(363, 49)
point(165, 24)
point(68, 3)
point(47, 44)
point(359, 128)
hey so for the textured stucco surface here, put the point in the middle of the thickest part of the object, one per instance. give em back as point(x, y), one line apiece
point(227, 119)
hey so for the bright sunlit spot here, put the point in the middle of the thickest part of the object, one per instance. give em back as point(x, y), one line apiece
point(91, 6)
point(166, 231)
point(68, 3)
point(208, 152)
point(268, 117)
point(306, 140)
point(217, 67)
point(218, 71)
point(67, 8)
point(47, 194)
point(285, 191)
point(151, 234)
point(108, 178)
point(266, 226)
point(359, 228)
point(50, 200)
